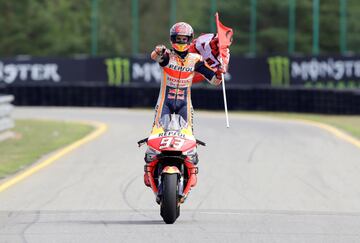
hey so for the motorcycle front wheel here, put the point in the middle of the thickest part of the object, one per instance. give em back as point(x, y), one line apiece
point(169, 207)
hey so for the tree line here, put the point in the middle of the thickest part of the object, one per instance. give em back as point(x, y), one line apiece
point(63, 27)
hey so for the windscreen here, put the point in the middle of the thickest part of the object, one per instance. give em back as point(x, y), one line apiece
point(173, 122)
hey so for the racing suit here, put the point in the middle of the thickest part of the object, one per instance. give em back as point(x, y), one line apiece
point(178, 70)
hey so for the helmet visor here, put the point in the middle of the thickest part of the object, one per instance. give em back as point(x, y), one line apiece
point(181, 39)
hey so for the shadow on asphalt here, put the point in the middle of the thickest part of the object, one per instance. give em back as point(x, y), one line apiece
point(120, 222)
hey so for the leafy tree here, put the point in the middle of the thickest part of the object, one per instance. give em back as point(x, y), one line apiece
point(63, 27)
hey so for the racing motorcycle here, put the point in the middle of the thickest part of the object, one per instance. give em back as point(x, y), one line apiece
point(171, 159)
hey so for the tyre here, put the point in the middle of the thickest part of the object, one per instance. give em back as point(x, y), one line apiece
point(169, 209)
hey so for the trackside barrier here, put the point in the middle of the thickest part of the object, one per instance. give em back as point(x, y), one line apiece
point(6, 108)
point(326, 101)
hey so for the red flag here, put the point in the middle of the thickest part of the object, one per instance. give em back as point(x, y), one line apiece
point(225, 35)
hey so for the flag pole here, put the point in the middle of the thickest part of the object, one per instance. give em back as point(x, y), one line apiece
point(222, 78)
point(225, 103)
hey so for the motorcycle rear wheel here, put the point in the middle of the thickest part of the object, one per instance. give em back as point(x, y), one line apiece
point(169, 208)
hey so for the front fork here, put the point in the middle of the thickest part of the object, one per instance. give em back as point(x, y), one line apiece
point(170, 170)
point(183, 190)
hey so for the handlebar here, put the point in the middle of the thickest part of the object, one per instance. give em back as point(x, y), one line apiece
point(142, 141)
point(200, 142)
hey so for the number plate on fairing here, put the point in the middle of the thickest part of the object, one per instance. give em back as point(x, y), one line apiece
point(173, 142)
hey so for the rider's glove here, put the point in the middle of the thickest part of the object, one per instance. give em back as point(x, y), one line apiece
point(219, 71)
point(158, 53)
point(217, 78)
point(160, 49)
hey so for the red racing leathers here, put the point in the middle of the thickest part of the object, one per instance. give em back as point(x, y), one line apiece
point(177, 72)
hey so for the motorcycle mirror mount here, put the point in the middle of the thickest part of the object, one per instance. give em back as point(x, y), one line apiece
point(142, 141)
point(200, 142)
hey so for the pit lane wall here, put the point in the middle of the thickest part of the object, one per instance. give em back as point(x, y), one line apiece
point(326, 84)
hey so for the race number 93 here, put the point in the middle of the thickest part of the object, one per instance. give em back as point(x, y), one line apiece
point(175, 143)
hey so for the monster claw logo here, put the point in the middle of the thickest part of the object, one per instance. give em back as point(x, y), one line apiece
point(118, 71)
point(279, 70)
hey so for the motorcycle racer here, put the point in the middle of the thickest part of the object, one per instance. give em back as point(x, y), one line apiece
point(178, 66)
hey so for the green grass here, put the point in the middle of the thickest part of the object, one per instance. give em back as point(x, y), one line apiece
point(34, 139)
point(348, 124)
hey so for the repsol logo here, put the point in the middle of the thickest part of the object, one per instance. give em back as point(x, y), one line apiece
point(171, 133)
point(118, 71)
point(180, 68)
point(9, 73)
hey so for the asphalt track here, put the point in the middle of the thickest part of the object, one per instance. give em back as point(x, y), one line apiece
point(262, 180)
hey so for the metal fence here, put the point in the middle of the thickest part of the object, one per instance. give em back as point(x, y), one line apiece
point(294, 23)
point(6, 121)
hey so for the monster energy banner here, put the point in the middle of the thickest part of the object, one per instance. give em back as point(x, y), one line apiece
point(51, 71)
point(331, 72)
point(114, 71)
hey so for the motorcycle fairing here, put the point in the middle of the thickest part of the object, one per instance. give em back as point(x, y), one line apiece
point(174, 136)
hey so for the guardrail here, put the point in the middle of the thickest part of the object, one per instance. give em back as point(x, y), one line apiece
point(6, 121)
